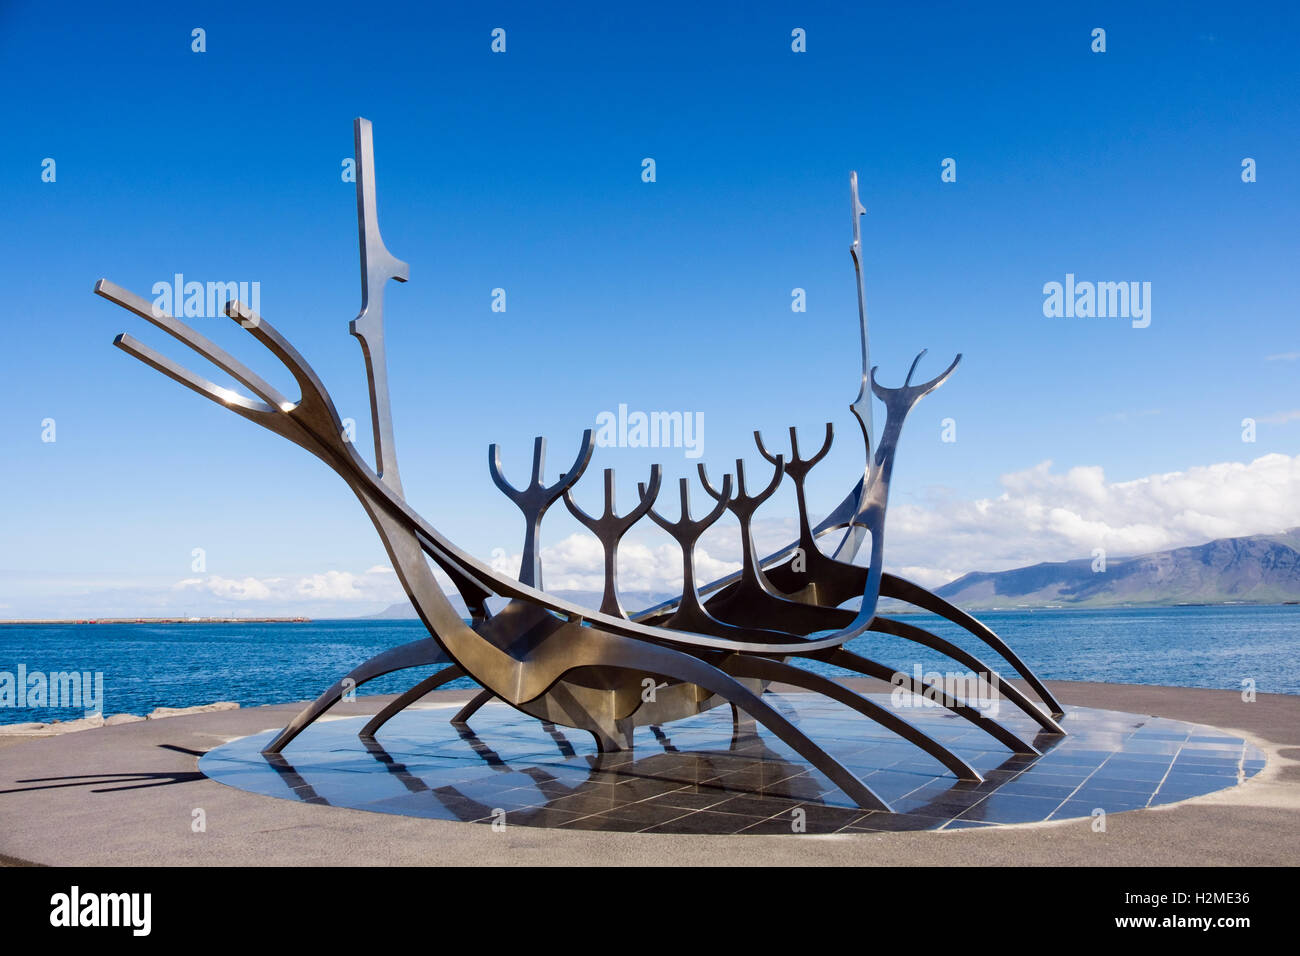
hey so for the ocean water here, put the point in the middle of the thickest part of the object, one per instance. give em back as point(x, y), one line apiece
point(176, 665)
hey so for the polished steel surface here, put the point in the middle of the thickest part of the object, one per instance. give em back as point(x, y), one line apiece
point(604, 671)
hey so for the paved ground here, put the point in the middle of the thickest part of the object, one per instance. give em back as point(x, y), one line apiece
point(127, 795)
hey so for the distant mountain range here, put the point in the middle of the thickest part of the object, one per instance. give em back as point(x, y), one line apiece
point(1260, 569)
point(401, 612)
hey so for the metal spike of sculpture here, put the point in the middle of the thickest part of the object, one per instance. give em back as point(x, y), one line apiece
point(722, 642)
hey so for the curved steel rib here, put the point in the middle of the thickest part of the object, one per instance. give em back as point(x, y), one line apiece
point(765, 669)
point(911, 632)
point(893, 586)
point(396, 706)
point(622, 652)
point(864, 665)
point(414, 654)
point(475, 704)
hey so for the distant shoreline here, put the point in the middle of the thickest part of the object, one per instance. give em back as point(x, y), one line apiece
point(163, 620)
point(378, 619)
point(888, 608)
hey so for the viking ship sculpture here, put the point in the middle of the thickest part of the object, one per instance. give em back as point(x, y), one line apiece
point(603, 670)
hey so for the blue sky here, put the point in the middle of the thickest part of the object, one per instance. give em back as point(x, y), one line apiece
point(522, 171)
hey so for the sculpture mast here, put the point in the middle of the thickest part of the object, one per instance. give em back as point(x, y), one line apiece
point(861, 406)
point(378, 265)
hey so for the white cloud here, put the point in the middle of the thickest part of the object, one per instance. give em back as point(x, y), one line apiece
point(330, 586)
point(248, 589)
point(1280, 418)
point(1283, 357)
point(1054, 516)
point(373, 586)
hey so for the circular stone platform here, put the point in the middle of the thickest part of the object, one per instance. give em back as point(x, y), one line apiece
point(702, 775)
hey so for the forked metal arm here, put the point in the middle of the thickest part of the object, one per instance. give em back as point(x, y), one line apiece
point(690, 614)
point(609, 529)
point(535, 498)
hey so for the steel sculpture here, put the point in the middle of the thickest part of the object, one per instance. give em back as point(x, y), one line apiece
point(720, 642)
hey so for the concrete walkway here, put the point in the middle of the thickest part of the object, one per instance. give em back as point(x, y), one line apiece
point(126, 795)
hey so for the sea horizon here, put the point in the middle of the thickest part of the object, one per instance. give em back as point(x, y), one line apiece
point(151, 665)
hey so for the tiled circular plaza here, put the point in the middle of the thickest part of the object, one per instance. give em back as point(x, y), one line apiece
point(703, 775)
